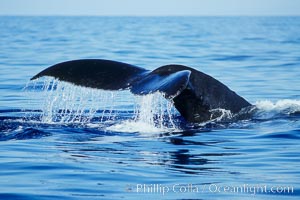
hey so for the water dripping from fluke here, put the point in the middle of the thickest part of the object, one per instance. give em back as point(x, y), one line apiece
point(153, 114)
point(118, 111)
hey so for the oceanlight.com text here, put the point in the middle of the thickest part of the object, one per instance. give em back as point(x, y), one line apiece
point(210, 188)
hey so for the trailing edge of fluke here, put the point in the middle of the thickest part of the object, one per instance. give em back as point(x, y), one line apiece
point(194, 94)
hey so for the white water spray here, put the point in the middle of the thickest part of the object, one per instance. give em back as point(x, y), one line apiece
point(153, 114)
point(268, 109)
point(65, 103)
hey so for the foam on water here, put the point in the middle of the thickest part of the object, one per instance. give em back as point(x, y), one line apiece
point(290, 105)
point(268, 109)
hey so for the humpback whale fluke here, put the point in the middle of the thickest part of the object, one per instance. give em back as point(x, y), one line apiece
point(195, 94)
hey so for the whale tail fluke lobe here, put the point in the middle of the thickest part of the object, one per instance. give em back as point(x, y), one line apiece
point(193, 93)
point(94, 73)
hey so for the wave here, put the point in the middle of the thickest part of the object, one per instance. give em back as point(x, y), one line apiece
point(18, 131)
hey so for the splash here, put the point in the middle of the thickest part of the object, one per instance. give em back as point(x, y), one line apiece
point(287, 105)
point(156, 110)
point(268, 109)
point(153, 113)
point(65, 103)
point(220, 114)
point(262, 110)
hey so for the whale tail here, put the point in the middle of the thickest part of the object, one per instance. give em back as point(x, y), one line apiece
point(193, 93)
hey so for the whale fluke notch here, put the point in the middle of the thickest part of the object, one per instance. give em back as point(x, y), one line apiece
point(195, 94)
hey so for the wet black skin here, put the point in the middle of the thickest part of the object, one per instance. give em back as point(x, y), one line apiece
point(195, 95)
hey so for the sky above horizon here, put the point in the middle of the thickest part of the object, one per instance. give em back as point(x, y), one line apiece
point(149, 8)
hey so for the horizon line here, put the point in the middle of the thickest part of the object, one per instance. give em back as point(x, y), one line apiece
point(86, 15)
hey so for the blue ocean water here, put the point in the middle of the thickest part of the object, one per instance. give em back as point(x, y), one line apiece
point(67, 142)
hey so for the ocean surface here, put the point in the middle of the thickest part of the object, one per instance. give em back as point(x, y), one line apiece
point(60, 141)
